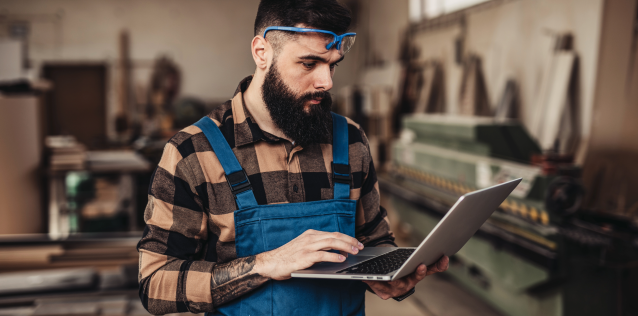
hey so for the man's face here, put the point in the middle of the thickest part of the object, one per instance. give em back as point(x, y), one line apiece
point(306, 66)
point(296, 86)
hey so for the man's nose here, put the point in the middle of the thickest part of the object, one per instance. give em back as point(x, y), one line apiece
point(323, 78)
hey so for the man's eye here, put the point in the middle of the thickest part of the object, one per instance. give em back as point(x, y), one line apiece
point(308, 65)
point(333, 66)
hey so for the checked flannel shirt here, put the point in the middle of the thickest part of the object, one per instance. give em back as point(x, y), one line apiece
point(189, 216)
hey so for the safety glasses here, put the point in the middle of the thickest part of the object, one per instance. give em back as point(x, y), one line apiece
point(342, 42)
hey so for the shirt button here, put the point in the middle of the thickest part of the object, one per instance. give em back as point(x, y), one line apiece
point(295, 188)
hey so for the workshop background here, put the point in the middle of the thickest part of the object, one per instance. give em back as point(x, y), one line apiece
point(454, 95)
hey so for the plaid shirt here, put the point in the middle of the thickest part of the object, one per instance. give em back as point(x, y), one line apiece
point(189, 216)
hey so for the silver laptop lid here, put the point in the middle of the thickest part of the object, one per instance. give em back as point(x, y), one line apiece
point(457, 226)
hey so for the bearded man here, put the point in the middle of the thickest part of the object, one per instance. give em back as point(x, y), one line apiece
point(269, 183)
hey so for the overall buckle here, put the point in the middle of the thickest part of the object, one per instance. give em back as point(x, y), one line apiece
point(238, 181)
point(341, 173)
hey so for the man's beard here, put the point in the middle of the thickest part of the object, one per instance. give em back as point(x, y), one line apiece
point(289, 114)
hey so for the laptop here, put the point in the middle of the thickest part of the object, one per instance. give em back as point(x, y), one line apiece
point(390, 263)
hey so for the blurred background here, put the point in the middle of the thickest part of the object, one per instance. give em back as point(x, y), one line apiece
point(454, 95)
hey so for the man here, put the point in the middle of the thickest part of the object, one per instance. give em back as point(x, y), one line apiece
point(226, 228)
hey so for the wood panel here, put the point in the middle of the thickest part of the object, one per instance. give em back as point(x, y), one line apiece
point(77, 103)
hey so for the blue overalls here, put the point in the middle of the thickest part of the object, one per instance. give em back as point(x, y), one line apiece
point(261, 228)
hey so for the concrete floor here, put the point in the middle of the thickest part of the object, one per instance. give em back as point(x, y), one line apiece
point(435, 296)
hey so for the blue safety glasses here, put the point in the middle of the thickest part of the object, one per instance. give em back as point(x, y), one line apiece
point(342, 42)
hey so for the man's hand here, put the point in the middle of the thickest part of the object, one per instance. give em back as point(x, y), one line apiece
point(304, 251)
point(386, 290)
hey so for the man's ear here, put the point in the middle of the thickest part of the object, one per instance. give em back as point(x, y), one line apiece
point(261, 51)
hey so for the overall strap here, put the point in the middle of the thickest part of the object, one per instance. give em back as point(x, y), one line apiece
point(235, 175)
point(340, 166)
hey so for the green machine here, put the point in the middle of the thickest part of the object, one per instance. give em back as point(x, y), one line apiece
point(537, 254)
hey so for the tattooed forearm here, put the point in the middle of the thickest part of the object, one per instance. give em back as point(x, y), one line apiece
point(237, 288)
point(233, 279)
point(228, 271)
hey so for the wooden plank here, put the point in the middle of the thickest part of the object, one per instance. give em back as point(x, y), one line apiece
point(425, 94)
point(28, 255)
point(556, 99)
point(541, 98)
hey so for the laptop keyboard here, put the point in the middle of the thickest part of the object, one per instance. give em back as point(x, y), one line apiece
point(382, 264)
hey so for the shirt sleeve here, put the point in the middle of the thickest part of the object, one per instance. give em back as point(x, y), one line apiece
point(373, 226)
point(172, 275)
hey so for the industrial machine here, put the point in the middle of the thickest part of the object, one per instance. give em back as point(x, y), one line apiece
point(539, 253)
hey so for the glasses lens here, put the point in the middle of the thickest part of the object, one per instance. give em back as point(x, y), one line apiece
point(346, 43)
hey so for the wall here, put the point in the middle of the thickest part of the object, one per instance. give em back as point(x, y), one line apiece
point(616, 104)
point(209, 40)
point(385, 23)
point(514, 39)
point(380, 25)
point(611, 174)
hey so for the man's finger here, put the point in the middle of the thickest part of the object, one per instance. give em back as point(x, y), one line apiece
point(336, 244)
point(324, 256)
point(421, 272)
point(417, 276)
point(382, 289)
point(444, 263)
point(439, 266)
point(339, 236)
point(432, 271)
point(401, 286)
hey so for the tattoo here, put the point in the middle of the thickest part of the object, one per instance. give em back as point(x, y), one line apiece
point(233, 279)
point(237, 288)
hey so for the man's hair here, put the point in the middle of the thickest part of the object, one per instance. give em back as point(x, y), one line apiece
point(327, 15)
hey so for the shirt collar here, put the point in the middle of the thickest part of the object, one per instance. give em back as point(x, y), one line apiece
point(246, 129)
